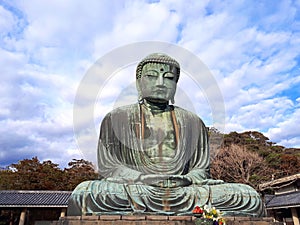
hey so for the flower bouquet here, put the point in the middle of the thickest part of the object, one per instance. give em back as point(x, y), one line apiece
point(208, 216)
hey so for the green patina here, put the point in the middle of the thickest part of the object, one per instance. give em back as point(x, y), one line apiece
point(153, 157)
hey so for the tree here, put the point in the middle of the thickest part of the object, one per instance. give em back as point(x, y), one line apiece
point(280, 160)
point(289, 164)
point(79, 170)
point(215, 141)
point(31, 174)
point(237, 164)
point(6, 179)
point(51, 176)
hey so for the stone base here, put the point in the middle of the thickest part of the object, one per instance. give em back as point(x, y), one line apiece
point(154, 220)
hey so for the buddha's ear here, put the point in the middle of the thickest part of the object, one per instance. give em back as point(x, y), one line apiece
point(173, 95)
point(138, 87)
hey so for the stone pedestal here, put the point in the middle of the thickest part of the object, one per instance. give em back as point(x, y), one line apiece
point(154, 220)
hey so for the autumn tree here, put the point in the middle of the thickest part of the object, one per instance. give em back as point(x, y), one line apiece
point(6, 179)
point(79, 170)
point(31, 174)
point(280, 160)
point(235, 163)
point(289, 164)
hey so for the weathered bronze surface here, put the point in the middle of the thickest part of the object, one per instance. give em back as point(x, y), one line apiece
point(153, 157)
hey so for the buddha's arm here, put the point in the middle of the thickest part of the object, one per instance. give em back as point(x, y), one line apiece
point(111, 156)
point(199, 162)
point(123, 173)
point(112, 168)
point(199, 177)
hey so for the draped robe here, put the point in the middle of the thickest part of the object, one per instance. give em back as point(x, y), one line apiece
point(122, 160)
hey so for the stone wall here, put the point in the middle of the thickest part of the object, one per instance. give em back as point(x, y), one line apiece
point(154, 220)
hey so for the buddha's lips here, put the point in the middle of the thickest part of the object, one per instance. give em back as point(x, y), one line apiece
point(160, 89)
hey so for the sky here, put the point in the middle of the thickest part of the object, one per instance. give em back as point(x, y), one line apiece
point(250, 51)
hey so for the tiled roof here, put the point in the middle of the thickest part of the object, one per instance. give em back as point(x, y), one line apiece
point(283, 200)
point(279, 182)
point(34, 198)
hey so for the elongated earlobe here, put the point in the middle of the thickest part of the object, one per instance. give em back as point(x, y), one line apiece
point(140, 97)
point(172, 100)
point(140, 100)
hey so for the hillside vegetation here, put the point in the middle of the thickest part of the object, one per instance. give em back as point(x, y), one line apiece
point(251, 158)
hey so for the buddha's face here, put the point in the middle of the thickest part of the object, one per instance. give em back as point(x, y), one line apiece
point(158, 82)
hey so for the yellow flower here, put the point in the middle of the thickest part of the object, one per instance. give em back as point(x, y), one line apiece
point(214, 212)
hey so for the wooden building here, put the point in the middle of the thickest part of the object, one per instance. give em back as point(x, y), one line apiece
point(284, 204)
point(27, 207)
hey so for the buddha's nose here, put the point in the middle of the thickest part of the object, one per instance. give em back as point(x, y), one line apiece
point(160, 80)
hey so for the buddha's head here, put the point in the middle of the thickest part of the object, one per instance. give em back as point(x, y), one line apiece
point(157, 77)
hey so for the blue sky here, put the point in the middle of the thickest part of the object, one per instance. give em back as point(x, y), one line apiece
point(252, 48)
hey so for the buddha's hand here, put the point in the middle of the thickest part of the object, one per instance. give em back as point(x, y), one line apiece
point(165, 181)
point(152, 179)
point(210, 182)
point(180, 180)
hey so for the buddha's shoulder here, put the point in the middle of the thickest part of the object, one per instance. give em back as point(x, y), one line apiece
point(188, 116)
point(127, 109)
point(185, 112)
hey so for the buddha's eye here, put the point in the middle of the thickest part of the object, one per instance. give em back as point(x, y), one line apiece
point(169, 76)
point(151, 74)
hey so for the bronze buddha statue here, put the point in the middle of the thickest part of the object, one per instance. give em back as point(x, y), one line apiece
point(153, 157)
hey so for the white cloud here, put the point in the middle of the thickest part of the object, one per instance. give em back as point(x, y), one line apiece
point(7, 21)
point(138, 21)
point(286, 132)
